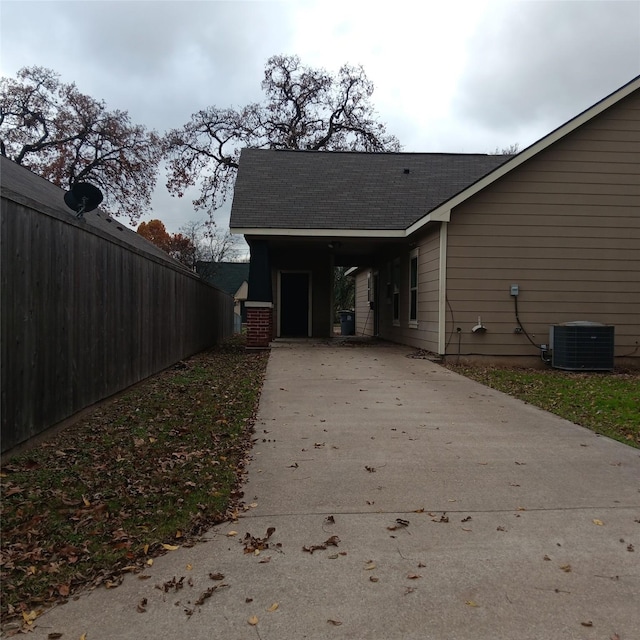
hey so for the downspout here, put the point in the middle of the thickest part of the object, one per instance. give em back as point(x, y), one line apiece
point(442, 290)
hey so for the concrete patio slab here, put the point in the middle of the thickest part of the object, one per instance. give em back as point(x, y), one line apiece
point(459, 512)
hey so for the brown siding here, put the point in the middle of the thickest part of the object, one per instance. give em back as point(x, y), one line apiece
point(425, 335)
point(565, 227)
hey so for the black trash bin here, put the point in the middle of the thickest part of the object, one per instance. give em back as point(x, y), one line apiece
point(347, 323)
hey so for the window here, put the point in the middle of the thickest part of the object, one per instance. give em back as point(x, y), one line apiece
point(413, 288)
point(396, 291)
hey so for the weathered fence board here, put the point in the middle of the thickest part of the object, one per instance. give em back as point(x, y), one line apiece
point(85, 316)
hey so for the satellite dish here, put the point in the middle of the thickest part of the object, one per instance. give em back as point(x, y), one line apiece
point(83, 197)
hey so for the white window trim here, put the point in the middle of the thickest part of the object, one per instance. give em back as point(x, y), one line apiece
point(413, 322)
point(395, 291)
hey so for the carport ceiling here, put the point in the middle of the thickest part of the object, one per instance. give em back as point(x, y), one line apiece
point(347, 252)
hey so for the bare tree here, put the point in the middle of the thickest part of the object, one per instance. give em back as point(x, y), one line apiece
point(211, 244)
point(67, 137)
point(304, 108)
point(511, 150)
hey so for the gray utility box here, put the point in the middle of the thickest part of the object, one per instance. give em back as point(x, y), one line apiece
point(582, 346)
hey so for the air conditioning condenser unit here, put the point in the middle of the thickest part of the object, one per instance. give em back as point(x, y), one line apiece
point(582, 346)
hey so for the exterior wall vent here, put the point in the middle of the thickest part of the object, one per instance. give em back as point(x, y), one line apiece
point(582, 346)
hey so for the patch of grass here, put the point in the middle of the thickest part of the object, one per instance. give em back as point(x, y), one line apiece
point(607, 403)
point(156, 466)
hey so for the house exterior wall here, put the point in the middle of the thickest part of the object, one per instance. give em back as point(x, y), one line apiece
point(364, 322)
point(424, 333)
point(565, 227)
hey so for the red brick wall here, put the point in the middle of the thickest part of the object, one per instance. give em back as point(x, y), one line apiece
point(259, 327)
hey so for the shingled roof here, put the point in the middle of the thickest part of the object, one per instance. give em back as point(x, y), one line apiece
point(278, 189)
point(227, 276)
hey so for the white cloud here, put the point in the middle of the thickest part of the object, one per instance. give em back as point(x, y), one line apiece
point(460, 76)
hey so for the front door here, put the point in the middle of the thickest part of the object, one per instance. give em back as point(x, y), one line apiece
point(294, 304)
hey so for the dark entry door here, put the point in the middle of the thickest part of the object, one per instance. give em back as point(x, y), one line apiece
point(294, 305)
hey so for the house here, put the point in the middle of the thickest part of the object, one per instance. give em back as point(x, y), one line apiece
point(454, 254)
point(231, 277)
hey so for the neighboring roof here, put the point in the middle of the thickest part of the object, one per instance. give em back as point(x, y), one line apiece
point(368, 194)
point(348, 190)
point(227, 276)
point(20, 184)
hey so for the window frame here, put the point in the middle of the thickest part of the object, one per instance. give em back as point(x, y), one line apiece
point(413, 287)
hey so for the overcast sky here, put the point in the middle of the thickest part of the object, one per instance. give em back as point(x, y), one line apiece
point(450, 76)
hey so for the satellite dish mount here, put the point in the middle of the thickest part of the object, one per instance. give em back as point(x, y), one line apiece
point(83, 197)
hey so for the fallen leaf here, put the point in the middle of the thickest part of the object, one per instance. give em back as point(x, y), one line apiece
point(413, 576)
point(86, 502)
point(170, 547)
point(230, 534)
point(587, 623)
point(598, 522)
point(189, 567)
point(330, 520)
point(370, 469)
point(370, 567)
point(335, 623)
point(332, 541)
point(54, 636)
point(216, 576)
point(142, 606)
point(253, 621)
point(150, 561)
point(29, 617)
point(630, 547)
point(373, 579)
point(83, 636)
point(546, 558)
point(566, 568)
point(265, 560)
point(63, 590)
point(408, 590)
point(472, 603)
point(273, 607)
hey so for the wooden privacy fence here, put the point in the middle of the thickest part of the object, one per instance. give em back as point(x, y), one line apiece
point(85, 315)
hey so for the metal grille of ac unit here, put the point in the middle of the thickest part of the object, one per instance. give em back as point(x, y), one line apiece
point(582, 346)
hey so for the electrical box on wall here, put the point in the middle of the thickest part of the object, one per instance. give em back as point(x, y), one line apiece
point(515, 290)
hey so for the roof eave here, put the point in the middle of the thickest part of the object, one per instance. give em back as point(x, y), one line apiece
point(320, 233)
point(443, 211)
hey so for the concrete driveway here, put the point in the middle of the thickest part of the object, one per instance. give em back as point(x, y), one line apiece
point(407, 502)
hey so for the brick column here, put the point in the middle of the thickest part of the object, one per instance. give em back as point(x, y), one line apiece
point(259, 324)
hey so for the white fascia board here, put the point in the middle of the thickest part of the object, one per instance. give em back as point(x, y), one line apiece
point(443, 212)
point(322, 233)
point(351, 271)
